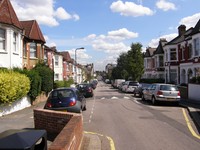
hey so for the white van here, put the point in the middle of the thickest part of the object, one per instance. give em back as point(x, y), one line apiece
point(117, 82)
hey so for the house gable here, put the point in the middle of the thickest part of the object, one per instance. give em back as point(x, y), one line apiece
point(8, 15)
point(32, 30)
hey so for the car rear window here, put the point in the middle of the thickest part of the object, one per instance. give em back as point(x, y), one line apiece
point(63, 93)
point(168, 88)
point(134, 83)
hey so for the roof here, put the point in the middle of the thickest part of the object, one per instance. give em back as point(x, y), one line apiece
point(159, 49)
point(32, 30)
point(8, 15)
point(181, 38)
point(66, 56)
point(196, 28)
point(149, 52)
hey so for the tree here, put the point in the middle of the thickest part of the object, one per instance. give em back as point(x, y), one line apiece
point(135, 61)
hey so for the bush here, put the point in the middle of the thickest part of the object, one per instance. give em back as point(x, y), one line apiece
point(46, 75)
point(35, 82)
point(58, 84)
point(13, 86)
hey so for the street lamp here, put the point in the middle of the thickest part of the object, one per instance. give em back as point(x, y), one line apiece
point(76, 63)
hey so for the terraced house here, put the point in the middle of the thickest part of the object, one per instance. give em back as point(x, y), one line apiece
point(175, 61)
point(22, 45)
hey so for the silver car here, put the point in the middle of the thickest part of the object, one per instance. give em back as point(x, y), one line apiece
point(161, 92)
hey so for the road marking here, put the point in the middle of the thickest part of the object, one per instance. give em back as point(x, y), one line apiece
point(103, 98)
point(112, 144)
point(125, 97)
point(189, 125)
point(114, 97)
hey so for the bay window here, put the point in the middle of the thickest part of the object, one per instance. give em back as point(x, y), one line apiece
point(33, 50)
point(173, 54)
point(2, 39)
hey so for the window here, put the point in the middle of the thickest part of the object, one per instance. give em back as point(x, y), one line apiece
point(24, 50)
point(14, 42)
point(2, 39)
point(183, 53)
point(33, 52)
point(190, 51)
point(166, 56)
point(161, 62)
point(56, 77)
point(173, 54)
point(196, 47)
point(56, 60)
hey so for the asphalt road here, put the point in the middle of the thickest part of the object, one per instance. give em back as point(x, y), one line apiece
point(130, 124)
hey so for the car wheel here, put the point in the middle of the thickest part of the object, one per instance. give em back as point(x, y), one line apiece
point(84, 108)
point(143, 97)
point(154, 102)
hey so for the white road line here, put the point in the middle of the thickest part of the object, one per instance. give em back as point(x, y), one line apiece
point(92, 111)
point(114, 97)
point(125, 97)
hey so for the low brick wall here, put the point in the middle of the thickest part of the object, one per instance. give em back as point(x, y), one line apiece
point(65, 129)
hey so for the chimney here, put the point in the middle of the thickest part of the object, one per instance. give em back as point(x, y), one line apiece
point(181, 30)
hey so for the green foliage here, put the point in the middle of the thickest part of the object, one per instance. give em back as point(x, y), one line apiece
point(130, 65)
point(13, 86)
point(46, 75)
point(58, 84)
point(35, 82)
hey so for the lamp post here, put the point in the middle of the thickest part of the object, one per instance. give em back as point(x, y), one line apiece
point(76, 63)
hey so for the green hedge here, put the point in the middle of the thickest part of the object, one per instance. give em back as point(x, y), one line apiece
point(58, 84)
point(13, 86)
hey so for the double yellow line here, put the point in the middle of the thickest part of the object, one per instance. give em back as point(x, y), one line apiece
point(189, 125)
point(112, 145)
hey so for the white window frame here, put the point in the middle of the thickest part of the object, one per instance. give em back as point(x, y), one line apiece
point(196, 47)
point(56, 60)
point(2, 39)
point(33, 50)
point(15, 38)
point(173, 51)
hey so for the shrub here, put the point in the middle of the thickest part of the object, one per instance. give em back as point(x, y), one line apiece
point(35, 82)
point(13, 86)
point(46, 75)
point(58, 84)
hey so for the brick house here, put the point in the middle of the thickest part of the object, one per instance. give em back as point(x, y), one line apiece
point(149, 66)
point(11, 37)
point(33, 44)
point(181, 57)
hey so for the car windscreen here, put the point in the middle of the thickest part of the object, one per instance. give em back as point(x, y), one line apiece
point(168, 88)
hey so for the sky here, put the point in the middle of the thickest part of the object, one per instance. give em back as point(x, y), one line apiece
point(107, 28)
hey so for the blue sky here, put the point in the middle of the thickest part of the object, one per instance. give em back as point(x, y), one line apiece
point(106, 28)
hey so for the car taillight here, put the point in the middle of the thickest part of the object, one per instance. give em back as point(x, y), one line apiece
point(72, 103)
point(179, 94)
point(49, 105)
point(159, 93)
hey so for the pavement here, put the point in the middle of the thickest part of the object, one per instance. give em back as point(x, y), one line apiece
point(95, 141)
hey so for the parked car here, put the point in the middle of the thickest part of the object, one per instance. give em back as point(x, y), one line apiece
point(117, 82)
point(138, 90)
point(161, 92)
point(66, 99)
point(121, 85)
point(86, 89)
point(129, 86)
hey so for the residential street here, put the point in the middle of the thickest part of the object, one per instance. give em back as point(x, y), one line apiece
point(133, 124)
point(115, 120)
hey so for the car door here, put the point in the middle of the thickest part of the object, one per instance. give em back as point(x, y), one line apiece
point(152, 91)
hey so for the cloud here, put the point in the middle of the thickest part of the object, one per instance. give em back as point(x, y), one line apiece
point(130, 9)
point(113, 42)
point(190, 21)
point(42, 11)
point(154, 42)
point(165, 6)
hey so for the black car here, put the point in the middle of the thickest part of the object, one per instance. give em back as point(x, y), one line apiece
point(66, 99)
point(138, 90)
point(86, 89)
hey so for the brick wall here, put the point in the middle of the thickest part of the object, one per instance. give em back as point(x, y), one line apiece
point(66, 128)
